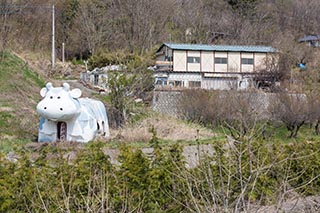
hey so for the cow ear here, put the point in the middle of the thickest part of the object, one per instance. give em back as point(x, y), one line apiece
point(43, 92)
point(75, 93)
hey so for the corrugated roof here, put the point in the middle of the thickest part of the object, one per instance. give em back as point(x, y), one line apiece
point(310, 38)
point(190, 46)
point(222, 48)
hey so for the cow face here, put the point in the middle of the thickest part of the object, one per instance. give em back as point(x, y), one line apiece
point(60, 103)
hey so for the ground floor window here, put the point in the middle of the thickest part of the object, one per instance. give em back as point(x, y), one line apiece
point(161, 82)
point(195, 84)
point(176, 83)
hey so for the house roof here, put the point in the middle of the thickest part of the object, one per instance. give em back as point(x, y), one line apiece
point(310, 38)
point(221, 48)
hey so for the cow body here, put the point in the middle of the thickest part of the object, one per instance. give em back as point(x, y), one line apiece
point(65, 116)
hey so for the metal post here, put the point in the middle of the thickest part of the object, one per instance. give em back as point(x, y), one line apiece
point(53, 46)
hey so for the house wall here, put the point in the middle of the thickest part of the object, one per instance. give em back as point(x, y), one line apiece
point(164, 54)
point(207, 64)
point(247, 67)
point(219, 83)
point(184, 77)
point(161, 57)
point(220, 67)
point(207, 61)
point(234, 62)
point(161, 54)
point(259, 61)
point(193, 67)
point(179, 60)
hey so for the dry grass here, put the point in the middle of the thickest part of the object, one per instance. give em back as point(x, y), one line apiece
point(167, 128)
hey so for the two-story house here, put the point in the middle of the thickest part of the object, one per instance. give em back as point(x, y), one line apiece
point(209, 66)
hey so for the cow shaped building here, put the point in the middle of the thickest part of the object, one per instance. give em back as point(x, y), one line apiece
point(67, 117)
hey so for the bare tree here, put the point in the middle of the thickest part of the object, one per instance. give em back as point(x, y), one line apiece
point(5, 13)
point(292, 109)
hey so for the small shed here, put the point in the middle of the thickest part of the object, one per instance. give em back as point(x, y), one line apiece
point(99, 76)
point(311, 40)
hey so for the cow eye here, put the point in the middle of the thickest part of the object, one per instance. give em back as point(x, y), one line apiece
point(51, 97)
point(58, 97)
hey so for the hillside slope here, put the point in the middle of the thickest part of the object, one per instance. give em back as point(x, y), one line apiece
point(20, 82)
point(19, 94)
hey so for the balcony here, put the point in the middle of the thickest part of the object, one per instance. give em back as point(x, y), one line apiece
point(164, 66)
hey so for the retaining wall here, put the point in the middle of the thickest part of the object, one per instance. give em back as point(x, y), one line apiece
point(167, 102)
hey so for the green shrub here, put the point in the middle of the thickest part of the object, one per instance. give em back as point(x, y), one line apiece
point(240, 173)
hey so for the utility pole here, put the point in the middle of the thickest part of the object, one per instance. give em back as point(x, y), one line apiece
point(53, 46)
point(63, 54)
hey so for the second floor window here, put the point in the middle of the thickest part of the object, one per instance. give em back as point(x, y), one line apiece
point(218, 60)
point(168, 58)
point(247, 61)
point(193, 59)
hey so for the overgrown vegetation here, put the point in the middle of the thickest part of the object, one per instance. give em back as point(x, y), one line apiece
point(259, 159)
point(128, 87)
point(238, 177)
point(250, 113)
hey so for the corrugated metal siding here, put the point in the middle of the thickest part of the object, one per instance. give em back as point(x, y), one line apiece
point(219, 83)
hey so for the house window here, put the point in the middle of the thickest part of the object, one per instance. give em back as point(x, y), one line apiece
point(96, 79)
point(218, 60)
point(161, 82)
point(193, 59)
point(247, 61)
point(175, 83)
point(194, 84)
point(168, 58)
point(178, 83)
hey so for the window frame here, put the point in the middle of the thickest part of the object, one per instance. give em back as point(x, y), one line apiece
point(193, 60)
point(247, 61)
point(220, 60)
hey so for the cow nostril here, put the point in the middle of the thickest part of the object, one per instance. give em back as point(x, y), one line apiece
point(61, 109)
point(45, 107)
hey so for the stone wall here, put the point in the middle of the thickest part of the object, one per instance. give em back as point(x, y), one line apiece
point(167, 101)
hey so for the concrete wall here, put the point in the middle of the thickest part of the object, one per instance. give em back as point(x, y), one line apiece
point(192, 154)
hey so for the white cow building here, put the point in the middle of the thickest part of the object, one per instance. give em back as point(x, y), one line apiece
point(67, 117)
